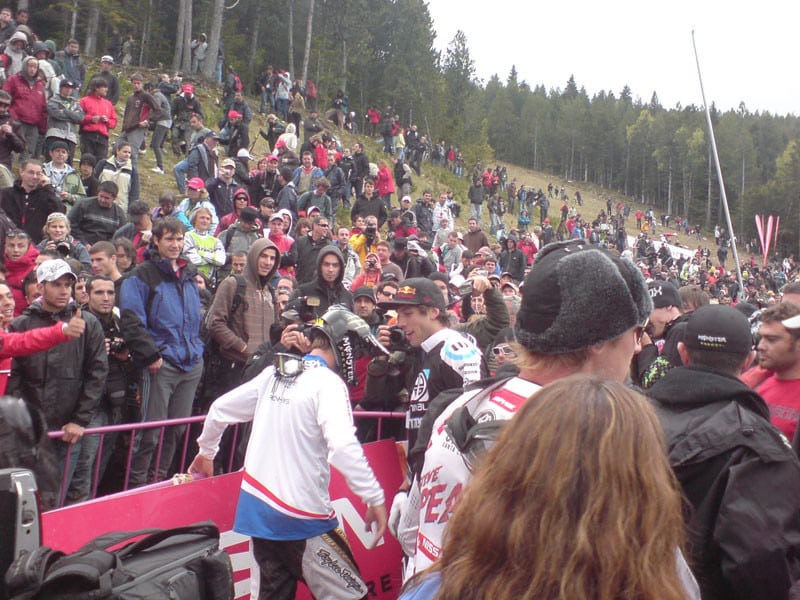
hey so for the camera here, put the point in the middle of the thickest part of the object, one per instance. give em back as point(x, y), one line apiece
point(465, 289)
point(116, 346)
point(302, 309)
point(372, 263)
point(63, 248)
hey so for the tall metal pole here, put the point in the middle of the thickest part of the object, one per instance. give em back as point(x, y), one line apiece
point(723, 195)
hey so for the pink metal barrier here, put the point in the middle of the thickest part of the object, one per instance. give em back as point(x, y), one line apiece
point(131, 429)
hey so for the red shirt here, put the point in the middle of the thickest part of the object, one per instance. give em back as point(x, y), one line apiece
point(783, 398)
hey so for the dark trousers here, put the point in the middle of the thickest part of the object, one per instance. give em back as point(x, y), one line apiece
point(281, 566)
point(95, 144)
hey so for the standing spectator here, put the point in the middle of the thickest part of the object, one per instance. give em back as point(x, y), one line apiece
point(741, 479)
point(95, 219)
point(110, 410)
point(7, 25)
point(184, 106)
point(475, 238)
point(106, 63)
point(67, 381)
point(240, 236)
point(423, 211)
point(64, 118)
point(239, 330)
point(162, 127)
point(326, 283)
point(29, 104)
point(202, 159)
point(74, 69)
point(223, 188)
point(199, 48)
point(368, 204)
point(360, 169)
point(11, 139)
point(197, 197)
point(15, 53)
point(121, 170)
point(86, 169)
point(160, 311)
point(139, 109)
point(475, 195)
point(307, 249)
point(28, 202)
point(98, 120)
point(512, 260)
point(384, 184)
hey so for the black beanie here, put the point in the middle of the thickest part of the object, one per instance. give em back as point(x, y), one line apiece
point(577, 295)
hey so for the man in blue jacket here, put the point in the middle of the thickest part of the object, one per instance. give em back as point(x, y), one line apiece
point(161, 322)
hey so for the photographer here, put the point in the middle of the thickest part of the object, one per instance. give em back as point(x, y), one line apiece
point(450, 359)
point(366, 241)
point(57, 237)
point(102, 296)
point(370, 276)
point(484, 310)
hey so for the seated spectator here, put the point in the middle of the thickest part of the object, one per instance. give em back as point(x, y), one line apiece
point(19, 258)
point(201, 248)
point(126, 255)
point(138, 231)
point(86, 169)
point(167, 208)
point(95, 219)
point(120, 170)
point(57, 237)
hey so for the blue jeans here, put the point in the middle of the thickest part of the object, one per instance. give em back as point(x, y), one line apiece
point(181, 169)
point(60, 450)
point(475, 212)
point(282, 107)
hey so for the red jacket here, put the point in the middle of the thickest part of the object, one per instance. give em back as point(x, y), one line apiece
point(321, 156)
point(97, 105)
point(24, 343)
point(385, 183)
point(30, 102)
point(17, 271)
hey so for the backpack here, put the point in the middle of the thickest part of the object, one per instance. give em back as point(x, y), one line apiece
point(184, 563)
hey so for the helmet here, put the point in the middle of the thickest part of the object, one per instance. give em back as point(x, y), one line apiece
point(349, 336)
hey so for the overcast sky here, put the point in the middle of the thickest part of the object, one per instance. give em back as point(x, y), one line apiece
point(747, 52)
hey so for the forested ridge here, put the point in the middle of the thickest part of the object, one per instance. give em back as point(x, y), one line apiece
point(382, 52)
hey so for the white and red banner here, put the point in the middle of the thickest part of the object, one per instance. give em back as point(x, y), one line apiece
point(165, 506)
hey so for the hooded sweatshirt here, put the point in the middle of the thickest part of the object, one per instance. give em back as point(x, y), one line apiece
point(29, 98)
point(249, 325)
point(328, 294)
point(17, 270)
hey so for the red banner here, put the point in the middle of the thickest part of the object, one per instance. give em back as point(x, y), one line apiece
point(165, 506)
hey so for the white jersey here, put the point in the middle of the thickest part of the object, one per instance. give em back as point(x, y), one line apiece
point(433, 498)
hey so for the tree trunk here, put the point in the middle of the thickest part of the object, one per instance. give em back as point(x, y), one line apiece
point(627, 166)
point(309, 31)
point(177, 56)
point(90, 47)
point(210, 64)
point(186, 38)
point(74, 22)
point(669, 189)
point(343, 80)
point(254, 69)
point(291, 39)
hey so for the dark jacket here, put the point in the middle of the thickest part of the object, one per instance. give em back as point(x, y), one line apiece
point(67, 381)
point(29, 211)
point(742, 480)
point(369, 208)
point(305, 253)
point(514, 262)
point(202, 163)
point(318, 288)
point(161, 314)
point(10, 142)
point(91, 223)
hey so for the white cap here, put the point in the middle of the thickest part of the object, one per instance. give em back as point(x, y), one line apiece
point(244, 153)
point(792, 322)
point(53, 270)
point(107, 58)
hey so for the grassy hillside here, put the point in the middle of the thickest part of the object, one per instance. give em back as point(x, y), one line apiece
point(434, 178)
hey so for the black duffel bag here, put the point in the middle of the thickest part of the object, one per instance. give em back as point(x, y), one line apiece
point(184, 563)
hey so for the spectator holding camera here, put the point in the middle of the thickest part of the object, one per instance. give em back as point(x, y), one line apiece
point(57, 237)
point(59, 173)
point(102, 298)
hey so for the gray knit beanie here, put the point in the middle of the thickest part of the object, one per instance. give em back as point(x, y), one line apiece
point(577, 295)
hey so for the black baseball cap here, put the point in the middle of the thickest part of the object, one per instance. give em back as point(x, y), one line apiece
point(365, 292)
point(417, 291)
point(718, 328)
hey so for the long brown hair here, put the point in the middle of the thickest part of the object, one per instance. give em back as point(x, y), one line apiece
point(577, 501)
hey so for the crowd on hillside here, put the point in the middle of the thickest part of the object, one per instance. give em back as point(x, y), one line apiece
point(237, 294)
